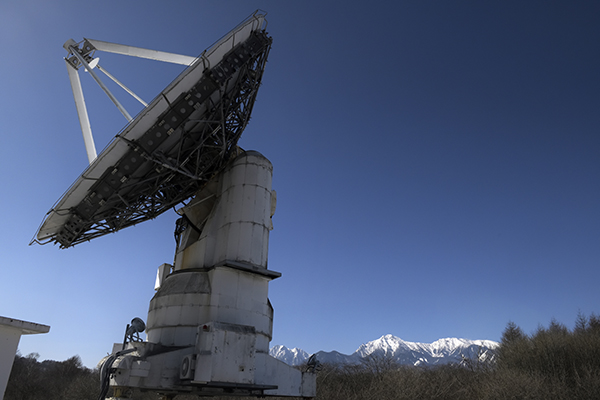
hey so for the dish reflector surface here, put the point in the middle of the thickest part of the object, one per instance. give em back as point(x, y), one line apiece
point(171, 149)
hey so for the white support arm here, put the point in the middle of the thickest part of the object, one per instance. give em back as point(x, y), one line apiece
point(141, 52)
point(84, 120)
point(90, 70)
point(118, 82)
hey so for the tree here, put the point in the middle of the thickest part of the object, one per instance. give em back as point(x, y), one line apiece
point(512, 334)
point(581, 323)
point(378, 363)
point(49, 380)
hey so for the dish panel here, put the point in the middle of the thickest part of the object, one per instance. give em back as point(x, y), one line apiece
point(172, 148)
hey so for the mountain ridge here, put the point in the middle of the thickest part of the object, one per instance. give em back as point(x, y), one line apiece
point(441, 351)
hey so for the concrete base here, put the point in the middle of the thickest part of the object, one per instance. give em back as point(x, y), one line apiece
point(210, 323)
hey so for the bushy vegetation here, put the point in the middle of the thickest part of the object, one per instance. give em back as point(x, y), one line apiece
point(551, 363)
point(51, 380)
point(566, 360)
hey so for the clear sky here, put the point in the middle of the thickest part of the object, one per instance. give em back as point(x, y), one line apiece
point(436, 164)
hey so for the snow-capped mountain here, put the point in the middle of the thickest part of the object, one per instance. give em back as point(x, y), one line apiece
point(289, 356)
point(443, 351)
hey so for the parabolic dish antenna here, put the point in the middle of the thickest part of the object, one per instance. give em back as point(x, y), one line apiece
point(172, 147)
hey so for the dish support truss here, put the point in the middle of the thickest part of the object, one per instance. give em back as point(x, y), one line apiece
point(189, 143)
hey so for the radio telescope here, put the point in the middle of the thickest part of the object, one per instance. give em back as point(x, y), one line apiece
point(210, 322)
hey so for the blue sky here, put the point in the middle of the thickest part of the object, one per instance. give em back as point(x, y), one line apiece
point(436, 165)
